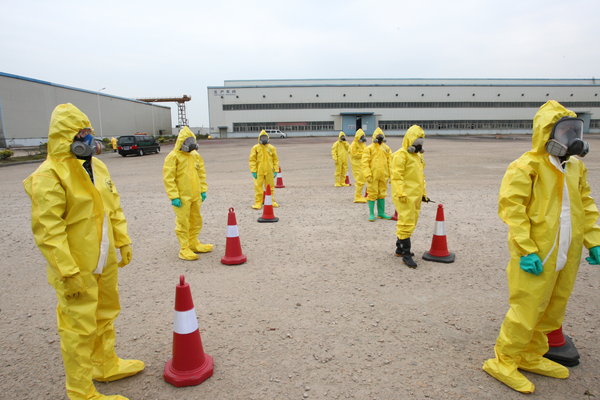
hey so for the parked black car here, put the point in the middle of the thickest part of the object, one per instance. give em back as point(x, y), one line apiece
point(137, 144)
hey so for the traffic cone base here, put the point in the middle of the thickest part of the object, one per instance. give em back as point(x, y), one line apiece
point(395, 216)
point(189, 378)
point(233, 248)
point(447, 259)
point(562, 350)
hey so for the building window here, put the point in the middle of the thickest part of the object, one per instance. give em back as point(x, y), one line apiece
point(401, 105)
point(305, 126)
point(459, 124)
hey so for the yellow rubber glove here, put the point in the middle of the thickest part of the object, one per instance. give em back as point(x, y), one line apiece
point(369, 179)
point(73, 286)
point(125, 255)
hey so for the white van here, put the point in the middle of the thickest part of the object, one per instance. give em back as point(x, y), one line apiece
point(276, 133)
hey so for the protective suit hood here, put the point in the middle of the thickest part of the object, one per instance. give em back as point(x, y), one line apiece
point(183, 134)
point(359, 133)
point(378, 131)
point(263, 132)
point(341, 134)
point(544, 121)
point(66, 121)
point(412, 134)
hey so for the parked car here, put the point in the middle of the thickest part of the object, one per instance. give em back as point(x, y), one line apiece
point(276, 133)
point(137, 144)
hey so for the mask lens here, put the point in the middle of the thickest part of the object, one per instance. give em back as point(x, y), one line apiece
point(567, 130)
point(418, 142)
point(189, 144)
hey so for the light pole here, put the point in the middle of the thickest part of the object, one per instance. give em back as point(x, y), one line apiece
point(100, 111)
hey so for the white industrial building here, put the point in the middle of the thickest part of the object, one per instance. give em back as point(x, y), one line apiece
point(320, 107)
point(26, 105)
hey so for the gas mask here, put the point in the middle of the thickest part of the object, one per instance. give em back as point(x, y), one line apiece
point(362, 139)
point(343, 138)
point(84, 145)
point(189, 144)
point(417, 146)
point(566, 139)
point(379, 138)
point(264, 139)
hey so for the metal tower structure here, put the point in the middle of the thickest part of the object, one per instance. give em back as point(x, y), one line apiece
point(181, 114)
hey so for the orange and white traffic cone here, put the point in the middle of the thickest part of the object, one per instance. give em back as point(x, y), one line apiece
point(268, 215)
point(189, 365)
point(439, 248)
point(233, 248)
point(347, 182)
point(562, 350)
point(279, 184)
point(395, 216)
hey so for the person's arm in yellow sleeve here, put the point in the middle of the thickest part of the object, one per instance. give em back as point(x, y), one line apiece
point(515, 195)
point(169, 177)
point(591, 230)
point(202, 174)
point(48, 206)
point(275, 160)
point(334, 151)
point(252, 159)
point(366, 164)
point(398, 166)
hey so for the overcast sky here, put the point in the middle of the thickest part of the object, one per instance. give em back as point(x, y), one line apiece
point(169, 48)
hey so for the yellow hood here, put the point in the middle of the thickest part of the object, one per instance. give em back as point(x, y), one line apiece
point(412, 134)
point(359, 133)
point(544, 121)
point(263, 132)
point(66, 121)
point(377, 132)
point(341, 134)
point(182, 135)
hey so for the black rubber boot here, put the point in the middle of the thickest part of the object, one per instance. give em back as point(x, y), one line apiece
point(403, 250)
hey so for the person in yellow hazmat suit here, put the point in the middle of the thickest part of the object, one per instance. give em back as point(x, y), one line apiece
point(184, 178)
point(545, 201)
point(356, 151)
point(264, 165)
point(113, 142)
point(376, 170)
point(78, 223)
point(408, 189)
point(339, 154)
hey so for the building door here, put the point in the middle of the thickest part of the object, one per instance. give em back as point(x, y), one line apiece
point(368, 124)
point(223, 132)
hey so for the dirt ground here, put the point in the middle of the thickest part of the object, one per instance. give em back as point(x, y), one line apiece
point(322, 309)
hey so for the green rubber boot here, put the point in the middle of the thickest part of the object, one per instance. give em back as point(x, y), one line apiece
point(381, 209)
point(371, 210)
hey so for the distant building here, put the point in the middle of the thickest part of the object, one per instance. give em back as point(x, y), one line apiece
point(26, 105)
point(319, 107)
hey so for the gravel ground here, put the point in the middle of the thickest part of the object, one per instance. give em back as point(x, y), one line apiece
point(322, 309)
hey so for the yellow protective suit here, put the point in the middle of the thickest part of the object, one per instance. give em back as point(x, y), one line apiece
point(263, 162)
point(356, 151)
point(113, 142)
point(408, 183)
point(376, 167)
point(77, 225)
point(184, 178)
point(339, 154)
point(549, 212)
